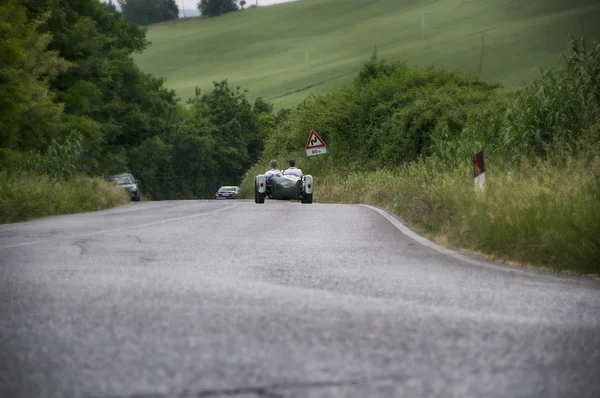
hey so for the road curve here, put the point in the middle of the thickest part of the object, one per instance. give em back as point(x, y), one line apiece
point(234, 299)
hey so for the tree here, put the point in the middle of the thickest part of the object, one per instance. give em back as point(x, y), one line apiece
point(243, 3)
point(146, 12)
point(107, 98)
point(213, 8)
point(29, 116)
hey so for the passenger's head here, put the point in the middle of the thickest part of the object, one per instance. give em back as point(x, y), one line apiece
point(292, 163)
point(274, 164)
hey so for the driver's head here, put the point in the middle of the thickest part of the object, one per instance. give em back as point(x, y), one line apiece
point(274, 164)
point(292, 163)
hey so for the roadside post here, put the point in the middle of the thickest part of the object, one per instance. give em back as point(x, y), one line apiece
point(479, 172)
point(315, 146)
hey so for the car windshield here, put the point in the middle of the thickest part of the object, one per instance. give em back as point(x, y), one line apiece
point(227, 189)
point(122, 180)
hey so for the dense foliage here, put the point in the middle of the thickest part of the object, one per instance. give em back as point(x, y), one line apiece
point(212, 142)
point(68, 78)
point(392, 114)
point(29, 116)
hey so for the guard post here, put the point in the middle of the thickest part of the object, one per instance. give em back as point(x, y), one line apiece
point(479, 172)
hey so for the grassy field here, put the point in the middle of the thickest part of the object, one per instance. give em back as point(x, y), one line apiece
point(286, 52)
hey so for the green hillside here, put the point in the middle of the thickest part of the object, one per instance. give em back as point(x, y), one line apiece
point(284, 53)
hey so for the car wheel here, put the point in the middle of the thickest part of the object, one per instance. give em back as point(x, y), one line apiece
point(307, 198)
point(258, 197)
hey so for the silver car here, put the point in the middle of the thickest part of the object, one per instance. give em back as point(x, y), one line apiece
point(227, 192)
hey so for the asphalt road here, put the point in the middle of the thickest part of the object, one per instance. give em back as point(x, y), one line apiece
point(234, 299)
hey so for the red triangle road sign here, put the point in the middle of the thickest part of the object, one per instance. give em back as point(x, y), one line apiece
point(314, 141)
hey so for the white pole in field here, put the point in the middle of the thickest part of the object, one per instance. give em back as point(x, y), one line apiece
point(183, 8)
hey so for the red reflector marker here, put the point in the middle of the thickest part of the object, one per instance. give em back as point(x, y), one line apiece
point(261, 184)
point(309, 185)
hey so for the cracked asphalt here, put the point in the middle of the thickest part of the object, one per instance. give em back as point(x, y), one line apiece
point(234, 299)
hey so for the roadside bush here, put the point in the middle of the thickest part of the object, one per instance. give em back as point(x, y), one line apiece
point(24, 196)
point(556, 109)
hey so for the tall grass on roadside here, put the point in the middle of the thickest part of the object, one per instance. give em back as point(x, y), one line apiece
point(559, 107)
point(62, 160)
point(540, 213)
point(24, 196)
point(550, 115)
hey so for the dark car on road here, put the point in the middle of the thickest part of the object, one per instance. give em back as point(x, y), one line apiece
point(227, 192)
point(128, 182)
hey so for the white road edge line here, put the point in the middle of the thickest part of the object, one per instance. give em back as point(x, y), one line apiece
point(426, 242)
point(118, 229)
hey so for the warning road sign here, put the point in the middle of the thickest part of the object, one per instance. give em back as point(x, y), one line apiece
point(315, 144)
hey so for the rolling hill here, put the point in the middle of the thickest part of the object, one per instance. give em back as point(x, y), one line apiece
point(286, 52)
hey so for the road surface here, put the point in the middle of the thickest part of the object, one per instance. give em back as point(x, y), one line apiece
point(234, 299)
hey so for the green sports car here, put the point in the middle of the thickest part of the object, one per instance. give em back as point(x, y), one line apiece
point(284, 187)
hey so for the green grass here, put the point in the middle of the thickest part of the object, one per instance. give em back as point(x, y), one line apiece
point(538, 214)
point(264, 49)
point(27, 196)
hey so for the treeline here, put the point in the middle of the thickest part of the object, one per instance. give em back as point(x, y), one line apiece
point(147, 12)
point(67, 78)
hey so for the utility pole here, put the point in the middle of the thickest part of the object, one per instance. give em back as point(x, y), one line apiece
point(183, 8)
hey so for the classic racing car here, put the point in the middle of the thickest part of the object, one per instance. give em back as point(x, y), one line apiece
point(284, 187)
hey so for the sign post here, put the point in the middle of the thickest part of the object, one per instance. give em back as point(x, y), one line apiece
point(315, 145)
point(479, 172)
